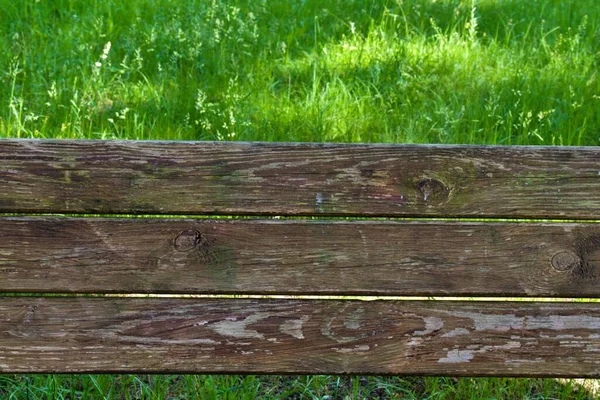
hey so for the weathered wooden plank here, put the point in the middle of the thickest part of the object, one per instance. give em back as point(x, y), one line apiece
point(50, 254)
point(298, 179)
point(294, 336)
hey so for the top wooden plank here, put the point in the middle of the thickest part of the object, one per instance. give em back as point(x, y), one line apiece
point(63, 176)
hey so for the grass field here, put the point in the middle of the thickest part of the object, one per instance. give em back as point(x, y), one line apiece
point(406, 71)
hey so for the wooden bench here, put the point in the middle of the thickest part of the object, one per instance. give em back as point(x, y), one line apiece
point(87, 288)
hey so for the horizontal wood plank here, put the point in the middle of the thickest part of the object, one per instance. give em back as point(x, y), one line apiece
point(298, 179)
point(294, 336)
point(225, 256)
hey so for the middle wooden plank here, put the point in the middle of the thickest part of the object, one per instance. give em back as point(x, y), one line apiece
point(225, 256)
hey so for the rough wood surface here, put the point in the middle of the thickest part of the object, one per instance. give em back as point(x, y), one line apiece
point(294, 336)
point(298, 179)
point(49, 254)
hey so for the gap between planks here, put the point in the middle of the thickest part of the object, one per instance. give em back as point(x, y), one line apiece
point(309, 297)
point(303, 217)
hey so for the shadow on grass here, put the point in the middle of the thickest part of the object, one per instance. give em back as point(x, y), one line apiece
point(440, 84)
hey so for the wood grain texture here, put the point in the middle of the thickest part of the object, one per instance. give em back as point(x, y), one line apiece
point(298, 179)
point(294, 336)
point(102, 255)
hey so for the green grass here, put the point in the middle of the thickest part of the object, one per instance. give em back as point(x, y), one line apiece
point(406, 71)
point(491, 71)
point(281, 387)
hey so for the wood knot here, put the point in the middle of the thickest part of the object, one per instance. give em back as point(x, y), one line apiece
point(565, 260)
point(187, 240)
point(432, 189)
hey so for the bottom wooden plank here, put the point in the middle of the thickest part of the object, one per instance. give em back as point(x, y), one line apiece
point(298, 336)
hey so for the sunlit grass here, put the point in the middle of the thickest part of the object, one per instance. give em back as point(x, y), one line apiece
point(496, 72)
